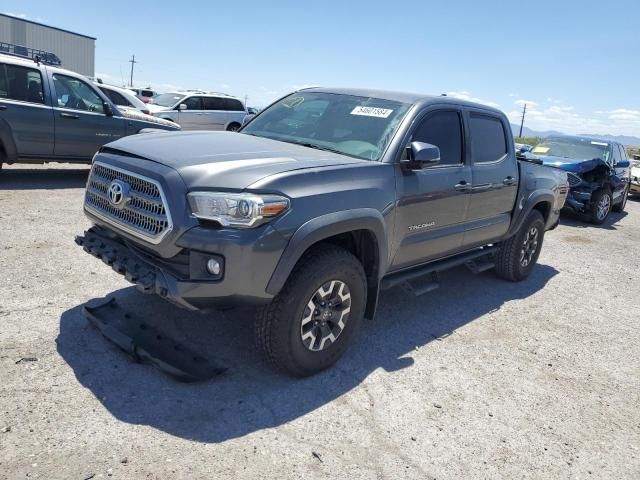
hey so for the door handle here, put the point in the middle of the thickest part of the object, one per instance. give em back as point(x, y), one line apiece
point(509, 181)
point(3, 107)
point(70, 115)
point(463, 186)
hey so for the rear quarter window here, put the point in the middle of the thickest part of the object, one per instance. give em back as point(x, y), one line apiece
point(488, 138)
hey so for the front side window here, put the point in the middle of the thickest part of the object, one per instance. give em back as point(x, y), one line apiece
point(444, 130)
point(488, 138)
point(116, 97)
point(361, 127)
point(75, 94)
point(21, 83)
point(193, 103)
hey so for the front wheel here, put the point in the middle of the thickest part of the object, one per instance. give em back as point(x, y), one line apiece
point(234, 127)
point(600, 206)
point(518, 255)
point(310, 323)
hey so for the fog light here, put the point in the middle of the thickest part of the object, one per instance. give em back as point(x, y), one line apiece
point(213, 267)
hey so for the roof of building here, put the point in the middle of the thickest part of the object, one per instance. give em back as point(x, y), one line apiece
point(46, 26)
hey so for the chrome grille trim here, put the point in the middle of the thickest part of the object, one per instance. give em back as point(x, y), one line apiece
point(145, 215)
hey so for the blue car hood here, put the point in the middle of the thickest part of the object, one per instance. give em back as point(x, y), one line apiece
point(570, 164)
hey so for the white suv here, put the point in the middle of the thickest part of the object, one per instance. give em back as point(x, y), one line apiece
point(197, 110)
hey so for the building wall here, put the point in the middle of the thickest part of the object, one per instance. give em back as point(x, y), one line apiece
point(76, 52)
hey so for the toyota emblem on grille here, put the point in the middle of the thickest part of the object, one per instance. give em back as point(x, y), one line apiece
point(117, 193)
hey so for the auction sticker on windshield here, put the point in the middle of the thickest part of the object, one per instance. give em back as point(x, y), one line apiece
point(372, 112)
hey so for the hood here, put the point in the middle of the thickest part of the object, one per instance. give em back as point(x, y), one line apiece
point(225, 159)
point(156, 108)
point(569, 164)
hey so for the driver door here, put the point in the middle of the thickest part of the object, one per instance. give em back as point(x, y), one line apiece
point(81, 125)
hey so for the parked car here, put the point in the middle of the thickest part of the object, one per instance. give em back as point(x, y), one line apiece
point(325, 198)
point(634, 187)
point(144, 94)
point(598, 172)
point(522, 147)
point(198, 110)
point(51, 114)
point(123, 97)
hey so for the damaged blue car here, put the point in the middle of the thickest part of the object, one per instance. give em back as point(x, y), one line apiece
point(598, 173)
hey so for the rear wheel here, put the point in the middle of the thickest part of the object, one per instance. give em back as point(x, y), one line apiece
point(619, 207)
point(310, 323)
point(600, 206)
point(518, 255)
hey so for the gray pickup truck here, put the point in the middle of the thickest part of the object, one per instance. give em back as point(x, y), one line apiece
point(321, 201)
point(48, 114)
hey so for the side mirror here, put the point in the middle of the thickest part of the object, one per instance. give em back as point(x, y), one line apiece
point(421, 155)
point(622, 164)
point(182, 106)
point(108, 109)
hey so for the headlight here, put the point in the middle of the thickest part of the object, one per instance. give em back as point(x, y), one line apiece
point(240, 210)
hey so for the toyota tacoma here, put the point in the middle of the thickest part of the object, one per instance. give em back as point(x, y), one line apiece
point(320, 202)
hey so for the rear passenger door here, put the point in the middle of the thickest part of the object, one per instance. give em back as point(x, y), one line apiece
point(216, 114)
point(24, 110)
point(494, 177)
point(432, 202)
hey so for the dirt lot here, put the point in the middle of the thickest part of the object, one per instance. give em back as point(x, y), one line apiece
point(481, 379)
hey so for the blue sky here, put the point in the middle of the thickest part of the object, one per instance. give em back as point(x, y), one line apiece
point(576, 63)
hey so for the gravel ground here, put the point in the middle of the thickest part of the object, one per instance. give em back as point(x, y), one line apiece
point(480, 379)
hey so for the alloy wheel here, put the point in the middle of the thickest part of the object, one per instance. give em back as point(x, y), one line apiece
point(529, 247)
point(325, 315)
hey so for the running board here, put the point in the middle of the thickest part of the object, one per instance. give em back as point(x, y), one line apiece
point(439, 266)
point(145, 343)
point(418, 287)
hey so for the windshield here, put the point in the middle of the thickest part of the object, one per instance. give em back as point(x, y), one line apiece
point(574, 149)
point(357, 126)
point(168, 99)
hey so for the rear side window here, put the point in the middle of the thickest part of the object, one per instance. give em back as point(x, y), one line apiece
point(233, 105)
point(21, 83)
point(444, 130)
point(488, 138)
point(623, 153)
point(213, 103)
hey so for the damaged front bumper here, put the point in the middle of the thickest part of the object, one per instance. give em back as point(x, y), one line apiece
point(183, 279)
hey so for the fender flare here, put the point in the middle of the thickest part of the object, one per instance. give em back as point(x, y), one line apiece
point(528, 204)
point(7, 143)
point(326, 226)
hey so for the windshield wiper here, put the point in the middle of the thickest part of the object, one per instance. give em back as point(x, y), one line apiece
point(321, 147)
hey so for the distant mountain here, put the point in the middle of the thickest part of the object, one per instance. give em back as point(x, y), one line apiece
point(626, 140)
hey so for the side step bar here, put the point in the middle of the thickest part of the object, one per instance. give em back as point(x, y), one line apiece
point(441, 265)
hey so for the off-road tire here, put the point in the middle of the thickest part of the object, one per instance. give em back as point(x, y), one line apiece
point(278, 324)
point(596, 198)
point(508, 258)
point(619, 207)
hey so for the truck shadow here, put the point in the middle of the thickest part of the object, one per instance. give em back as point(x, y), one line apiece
point(42, 179)
point(249, 396)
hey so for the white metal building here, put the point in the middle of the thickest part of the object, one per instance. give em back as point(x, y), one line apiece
point(76, 51)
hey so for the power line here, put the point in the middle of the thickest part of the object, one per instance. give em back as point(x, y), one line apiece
point(524, 110)
point(132, 61)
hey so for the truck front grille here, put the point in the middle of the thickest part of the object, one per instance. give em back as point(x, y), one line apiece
point(139, 207)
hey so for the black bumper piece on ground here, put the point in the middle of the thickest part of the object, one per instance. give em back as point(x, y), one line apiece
point(146, 343)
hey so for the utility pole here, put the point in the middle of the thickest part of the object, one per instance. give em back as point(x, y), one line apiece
point(524, 110)
point(245, 100)
point(132, 61)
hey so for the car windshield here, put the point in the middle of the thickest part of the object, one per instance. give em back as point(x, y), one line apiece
point(573, 149)
point(361, 127)
point(168, 99)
